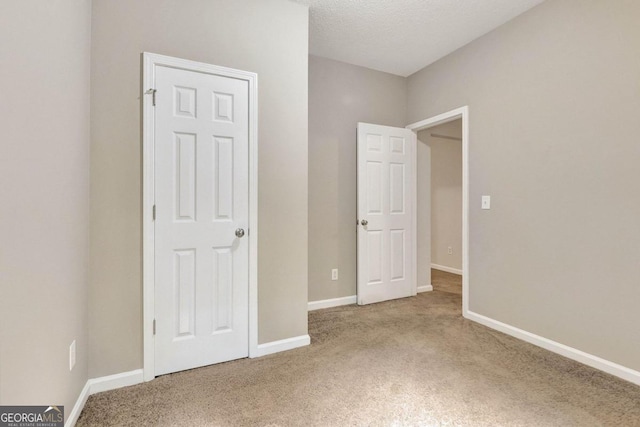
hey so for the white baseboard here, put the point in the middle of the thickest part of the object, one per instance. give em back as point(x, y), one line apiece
point(555, 347)
point(425, 288)
point(334, 302)
point(447, 269)
point(124, 379)
point(111, 382)
point(73, 416)
point(282, 345)
point(97, 385)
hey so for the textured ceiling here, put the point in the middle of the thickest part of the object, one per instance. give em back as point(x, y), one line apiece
point(402, 36)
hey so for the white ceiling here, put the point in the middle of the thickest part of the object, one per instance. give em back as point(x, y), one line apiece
point(402, 36)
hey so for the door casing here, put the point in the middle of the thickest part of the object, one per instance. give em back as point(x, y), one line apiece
point(149, 63)
point(463, 114)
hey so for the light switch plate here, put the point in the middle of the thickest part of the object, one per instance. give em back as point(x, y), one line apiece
point(72, 355)
point(486, 202)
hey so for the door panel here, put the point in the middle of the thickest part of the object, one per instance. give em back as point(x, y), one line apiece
point(201, 197)
point(385, 191)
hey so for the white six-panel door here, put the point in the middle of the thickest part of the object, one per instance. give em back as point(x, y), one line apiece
point(201, 198)
point(385, 213)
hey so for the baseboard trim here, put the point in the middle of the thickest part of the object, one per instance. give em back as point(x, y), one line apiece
point(282, 345)
point(72, 419)
point(596, 362)
point(97, 385)
point(425, 288)
point(111, 382)
point(447, 269)
point(333, 302)
point(125, 379)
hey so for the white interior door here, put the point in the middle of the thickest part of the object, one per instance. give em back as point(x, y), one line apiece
point(201, 202)
point(385, 213)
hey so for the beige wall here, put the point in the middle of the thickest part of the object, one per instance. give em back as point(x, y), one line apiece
point(441, 160)
point(554, 101)
point(44, 213)
point(340, 96)
point(269, 37)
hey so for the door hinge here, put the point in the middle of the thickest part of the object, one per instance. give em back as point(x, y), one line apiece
point(152, 92)
point(154, 212)
point(154, 326)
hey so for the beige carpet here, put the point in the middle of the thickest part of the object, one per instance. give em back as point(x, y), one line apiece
point(413, 362)
point(446, 282)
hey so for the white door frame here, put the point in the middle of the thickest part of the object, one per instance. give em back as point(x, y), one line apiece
point(449, 116)
point(150, 62)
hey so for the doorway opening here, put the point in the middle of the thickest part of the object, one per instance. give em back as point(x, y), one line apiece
point(450, 127)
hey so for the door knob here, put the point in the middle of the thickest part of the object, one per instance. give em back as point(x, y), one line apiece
point(239, 232)
point(364, 222)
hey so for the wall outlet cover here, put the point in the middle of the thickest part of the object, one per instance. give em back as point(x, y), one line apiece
point(72, 355)
point(486, 202)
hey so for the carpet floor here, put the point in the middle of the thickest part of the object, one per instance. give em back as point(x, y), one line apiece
point(408, 362)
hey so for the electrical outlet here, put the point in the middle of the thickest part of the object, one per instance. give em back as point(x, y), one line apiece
point(334, 274)
point(450, 250)
point(72, 355)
